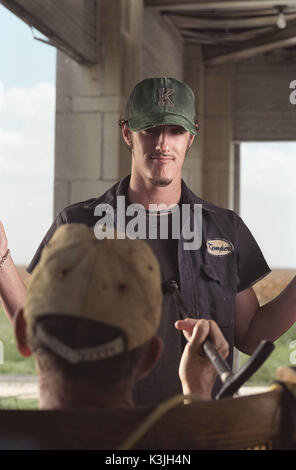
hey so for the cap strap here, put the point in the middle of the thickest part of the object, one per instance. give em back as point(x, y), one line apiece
point(74, 356)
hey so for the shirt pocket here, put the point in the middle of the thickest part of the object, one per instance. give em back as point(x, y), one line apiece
point(220, 280)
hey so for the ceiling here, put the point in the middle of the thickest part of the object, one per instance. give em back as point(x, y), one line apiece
point(231, 30)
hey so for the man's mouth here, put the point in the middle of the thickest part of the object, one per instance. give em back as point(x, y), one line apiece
point(162, 157)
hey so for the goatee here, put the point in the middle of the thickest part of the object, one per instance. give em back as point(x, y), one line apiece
point(160, 181)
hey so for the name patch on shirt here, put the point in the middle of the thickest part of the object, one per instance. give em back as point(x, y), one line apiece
point(219, 247)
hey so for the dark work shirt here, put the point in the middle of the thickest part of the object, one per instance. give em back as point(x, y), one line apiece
point(163, 379)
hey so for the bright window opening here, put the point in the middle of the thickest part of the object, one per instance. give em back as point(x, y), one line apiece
point(268, 206)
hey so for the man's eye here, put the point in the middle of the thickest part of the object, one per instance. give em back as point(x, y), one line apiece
point(178, 131)
point(173, 130)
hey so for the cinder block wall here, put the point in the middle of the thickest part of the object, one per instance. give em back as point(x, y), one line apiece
point(84, 109)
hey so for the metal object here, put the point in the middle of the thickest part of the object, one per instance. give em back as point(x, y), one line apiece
point(231, 381)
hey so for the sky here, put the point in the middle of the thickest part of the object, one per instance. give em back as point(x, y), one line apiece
point(27, 108)
point(268, 199)
point(27, 114)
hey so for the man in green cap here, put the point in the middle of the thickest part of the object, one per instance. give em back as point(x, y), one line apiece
point(214, 272)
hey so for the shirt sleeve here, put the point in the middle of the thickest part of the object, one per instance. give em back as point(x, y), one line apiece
point(35, 260)
point(252, 265)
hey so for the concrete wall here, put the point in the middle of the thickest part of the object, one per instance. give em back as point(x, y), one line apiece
point(162, 48)
point(218, 148)
point(194, 76)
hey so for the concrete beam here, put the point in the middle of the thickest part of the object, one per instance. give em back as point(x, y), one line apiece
point(252, 51)
point(200, 5)
point(189, 22)
point(266, 42)
point(71, 26)
point(218, 37)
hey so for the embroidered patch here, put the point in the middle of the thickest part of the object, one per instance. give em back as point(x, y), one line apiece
point(218, 247)
point(164, 97)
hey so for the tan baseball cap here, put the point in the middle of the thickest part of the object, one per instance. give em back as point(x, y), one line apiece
point(113, 281)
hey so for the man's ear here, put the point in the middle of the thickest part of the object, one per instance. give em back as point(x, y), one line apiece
point(126, 133)
point(191, 140)
point(19, 324)
point(150, 357)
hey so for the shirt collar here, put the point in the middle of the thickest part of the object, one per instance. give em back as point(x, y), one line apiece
point(121, 189)
point(188, 197)
point(109, 197)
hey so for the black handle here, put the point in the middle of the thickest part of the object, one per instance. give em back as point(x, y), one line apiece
point(171, 287)
point(217, 360)
point(234, 382)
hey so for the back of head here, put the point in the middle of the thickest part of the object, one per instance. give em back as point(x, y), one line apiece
point(92, 305)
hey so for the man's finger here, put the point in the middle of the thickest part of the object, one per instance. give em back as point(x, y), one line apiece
point(199, 334)
point(187, 324)
point(218, 339)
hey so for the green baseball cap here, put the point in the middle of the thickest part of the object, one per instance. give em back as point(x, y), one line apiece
point(159, 101)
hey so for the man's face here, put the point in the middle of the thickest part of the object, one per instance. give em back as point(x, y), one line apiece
point(158, 153)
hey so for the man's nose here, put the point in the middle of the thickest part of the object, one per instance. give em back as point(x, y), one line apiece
point(163, 142)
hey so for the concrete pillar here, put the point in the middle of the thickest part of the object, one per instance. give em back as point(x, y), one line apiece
point(162, 47)
point(218, 162)
point(194, 76)
point(89, 154)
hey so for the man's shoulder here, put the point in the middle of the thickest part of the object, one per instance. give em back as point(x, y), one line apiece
point(84, 208)
point(209, 208)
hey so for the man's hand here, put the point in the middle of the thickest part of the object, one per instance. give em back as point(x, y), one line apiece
point(12, 287)
point(196, 372)
point(3, 241)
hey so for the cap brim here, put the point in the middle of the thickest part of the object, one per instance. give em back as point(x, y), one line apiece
point(160, 119)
